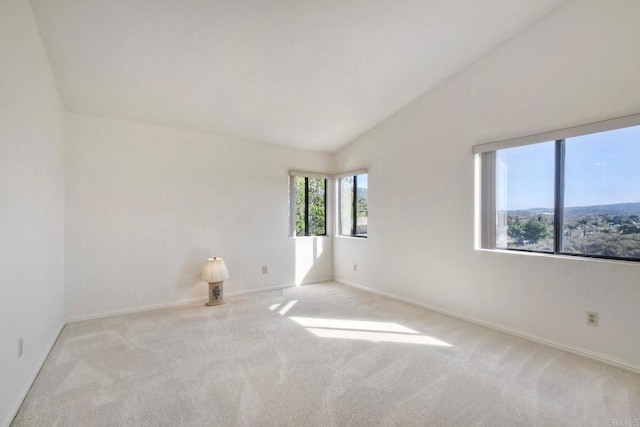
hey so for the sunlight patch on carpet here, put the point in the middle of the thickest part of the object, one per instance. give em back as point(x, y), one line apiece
point(284, 310)
point(377, 337)
point(366, 330)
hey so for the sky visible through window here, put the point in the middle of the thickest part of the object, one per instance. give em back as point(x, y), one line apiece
point(603, 168)
point(600, 169)
point(363, 181)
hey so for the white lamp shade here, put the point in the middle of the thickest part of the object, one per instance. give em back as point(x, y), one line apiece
point(215, 270)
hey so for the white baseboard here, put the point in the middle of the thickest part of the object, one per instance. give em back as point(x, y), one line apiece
point(187, 301)
point(7, 422)
point(278, 287)
point(134, 309)
point(532, 337)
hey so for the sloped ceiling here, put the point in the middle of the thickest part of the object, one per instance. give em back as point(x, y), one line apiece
point(311, 74)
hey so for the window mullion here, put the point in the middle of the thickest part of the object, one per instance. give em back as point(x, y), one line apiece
point(354, 227)
point(558, 212)
point(325, 207)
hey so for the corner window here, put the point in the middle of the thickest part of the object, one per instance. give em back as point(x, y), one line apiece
point(353, 205)
point(309, 205)
point(575, 195)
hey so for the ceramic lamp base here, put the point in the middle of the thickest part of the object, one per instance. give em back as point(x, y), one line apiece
point(216, 296)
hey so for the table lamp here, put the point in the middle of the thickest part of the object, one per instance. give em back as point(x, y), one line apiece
point(215, 273)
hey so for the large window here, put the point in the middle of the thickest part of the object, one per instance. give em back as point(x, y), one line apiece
point(310, 209)
point(353, 205)
point(575, 195)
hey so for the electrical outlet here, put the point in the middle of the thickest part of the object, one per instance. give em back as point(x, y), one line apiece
point(355, 267)
point(592, 318)
point(265, 269)
point(20, 347)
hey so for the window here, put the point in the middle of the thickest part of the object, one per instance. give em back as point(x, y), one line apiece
point(310, 210)
point(601, 213)
point(524, 197)
point(353, 205)
point(576, 194)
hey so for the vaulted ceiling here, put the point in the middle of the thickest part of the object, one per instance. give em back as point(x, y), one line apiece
point(311, 74)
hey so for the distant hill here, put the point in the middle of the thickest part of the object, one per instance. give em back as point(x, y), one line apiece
point(578, 211)
point(615, 209)
point(531, 212)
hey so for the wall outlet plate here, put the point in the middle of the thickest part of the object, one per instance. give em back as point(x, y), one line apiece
point(592, 318)
point(265, 269)
point(355, 267)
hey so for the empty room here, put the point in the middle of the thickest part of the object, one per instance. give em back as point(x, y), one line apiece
point(320, 213)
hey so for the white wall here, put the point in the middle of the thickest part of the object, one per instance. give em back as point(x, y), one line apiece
point(576, 66)
point(146, 205)
point(31, 204)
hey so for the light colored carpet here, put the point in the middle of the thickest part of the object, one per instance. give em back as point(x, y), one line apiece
point(305, 358)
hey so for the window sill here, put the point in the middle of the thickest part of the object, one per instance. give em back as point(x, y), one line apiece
point(560, 256)
point(351, 237)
